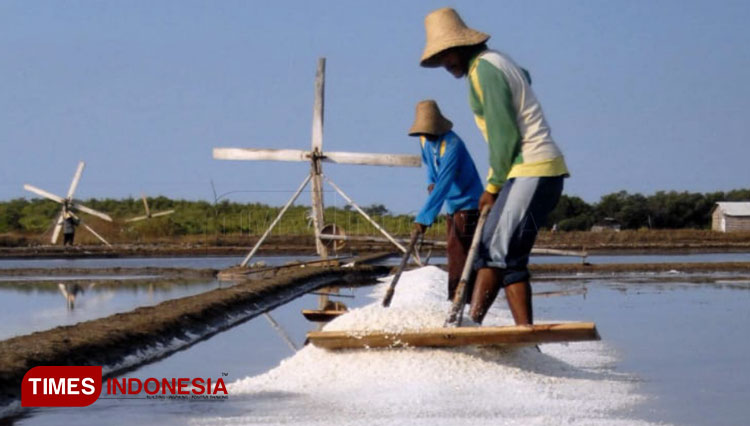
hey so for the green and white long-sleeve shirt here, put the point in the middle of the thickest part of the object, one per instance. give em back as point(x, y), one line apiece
point(511, 120)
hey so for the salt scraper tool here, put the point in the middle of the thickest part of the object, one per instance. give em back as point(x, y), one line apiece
point(404, 259)
point(459, 299)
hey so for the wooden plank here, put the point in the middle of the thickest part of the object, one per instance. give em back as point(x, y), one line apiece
point(457, 336)
point(43, 193)
point(321, 315)
point(76, 179)
point(91, 211)
point(369, 159)
point(260, 154)
point(319, 107)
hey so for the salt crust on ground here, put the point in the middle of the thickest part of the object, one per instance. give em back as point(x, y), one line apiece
point(564, 385)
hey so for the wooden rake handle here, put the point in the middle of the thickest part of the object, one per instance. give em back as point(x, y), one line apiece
point(404, 259)
point(459, 299)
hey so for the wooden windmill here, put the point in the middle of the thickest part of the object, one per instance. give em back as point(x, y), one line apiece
point(69, 204)
point(148, 214)
point(316, 157)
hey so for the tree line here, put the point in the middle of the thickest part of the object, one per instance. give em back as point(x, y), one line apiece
point(662, 210)
point(37, 216)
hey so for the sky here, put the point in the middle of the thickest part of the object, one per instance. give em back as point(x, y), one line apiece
point(641, 95)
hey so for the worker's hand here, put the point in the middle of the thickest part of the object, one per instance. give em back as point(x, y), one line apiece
point(419, 228)
point(430, 187)
point(487, 199)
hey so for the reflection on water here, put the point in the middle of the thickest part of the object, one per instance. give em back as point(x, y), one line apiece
point(35, 303)
point(28, 306)
point(70, 291)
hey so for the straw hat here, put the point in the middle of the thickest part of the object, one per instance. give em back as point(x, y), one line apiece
point(445, 29)
point(429, 121)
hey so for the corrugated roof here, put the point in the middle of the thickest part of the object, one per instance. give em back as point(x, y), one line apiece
point(735, 208)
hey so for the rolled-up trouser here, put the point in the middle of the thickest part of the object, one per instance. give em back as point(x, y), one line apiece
point(460, 228)
point(512, 225)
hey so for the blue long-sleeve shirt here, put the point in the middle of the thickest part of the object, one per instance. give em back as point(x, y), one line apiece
point(451, 169)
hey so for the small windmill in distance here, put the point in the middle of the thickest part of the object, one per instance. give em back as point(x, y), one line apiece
point(149, 215)
point(68, 205)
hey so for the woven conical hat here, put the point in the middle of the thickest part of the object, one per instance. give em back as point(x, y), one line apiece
point(444, 30)
point(429, 121)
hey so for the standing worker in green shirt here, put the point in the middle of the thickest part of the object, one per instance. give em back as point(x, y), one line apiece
point(527, 168)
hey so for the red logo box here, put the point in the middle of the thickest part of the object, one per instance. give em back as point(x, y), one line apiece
point(61, 386)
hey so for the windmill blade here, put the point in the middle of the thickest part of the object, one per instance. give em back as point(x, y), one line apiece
point(91, 211)
point(96, 235)
point(261, 154)
point(318, 106)
point(164, 213)
point(76, 179)
point(145, 204)
point(58, 227)
point(393, 160)
point(44, 193)
point(136, 219)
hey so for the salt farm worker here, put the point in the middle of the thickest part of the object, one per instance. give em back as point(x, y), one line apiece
point(452, 180)
point(69, 228)
point(527, 168)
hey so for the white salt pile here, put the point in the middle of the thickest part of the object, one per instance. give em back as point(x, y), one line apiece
point(566, 384)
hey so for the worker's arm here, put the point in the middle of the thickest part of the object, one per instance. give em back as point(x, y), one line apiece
point(446, 175)
point(499, 114)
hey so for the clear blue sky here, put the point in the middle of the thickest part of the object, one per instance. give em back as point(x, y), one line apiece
point(640, 95)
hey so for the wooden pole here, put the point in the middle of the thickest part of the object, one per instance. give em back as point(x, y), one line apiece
point(316, 190)
point(278, 218)
point(365, 215)
point(281, 332)
point(459, 299)
point(392, 287)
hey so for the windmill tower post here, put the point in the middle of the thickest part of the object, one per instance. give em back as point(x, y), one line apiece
point(316, 157)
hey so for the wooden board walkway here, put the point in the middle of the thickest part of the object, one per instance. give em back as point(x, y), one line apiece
point(457, 336)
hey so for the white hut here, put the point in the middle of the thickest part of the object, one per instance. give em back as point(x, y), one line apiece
point(731, 216)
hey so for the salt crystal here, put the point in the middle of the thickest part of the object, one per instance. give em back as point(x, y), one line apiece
point(573, 384)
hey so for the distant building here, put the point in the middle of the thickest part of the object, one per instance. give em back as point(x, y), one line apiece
point(608, 224)
point(731, 216)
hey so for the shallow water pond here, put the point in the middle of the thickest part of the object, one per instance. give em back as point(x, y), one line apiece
point(197, 262)
point(35, 303)
point(683, 345)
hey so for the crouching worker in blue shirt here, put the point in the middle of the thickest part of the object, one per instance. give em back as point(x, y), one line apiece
point(452, 179)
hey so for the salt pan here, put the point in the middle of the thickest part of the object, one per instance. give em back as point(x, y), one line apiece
point(566, 384)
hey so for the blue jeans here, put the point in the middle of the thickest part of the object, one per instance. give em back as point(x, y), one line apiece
point(512, 225)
